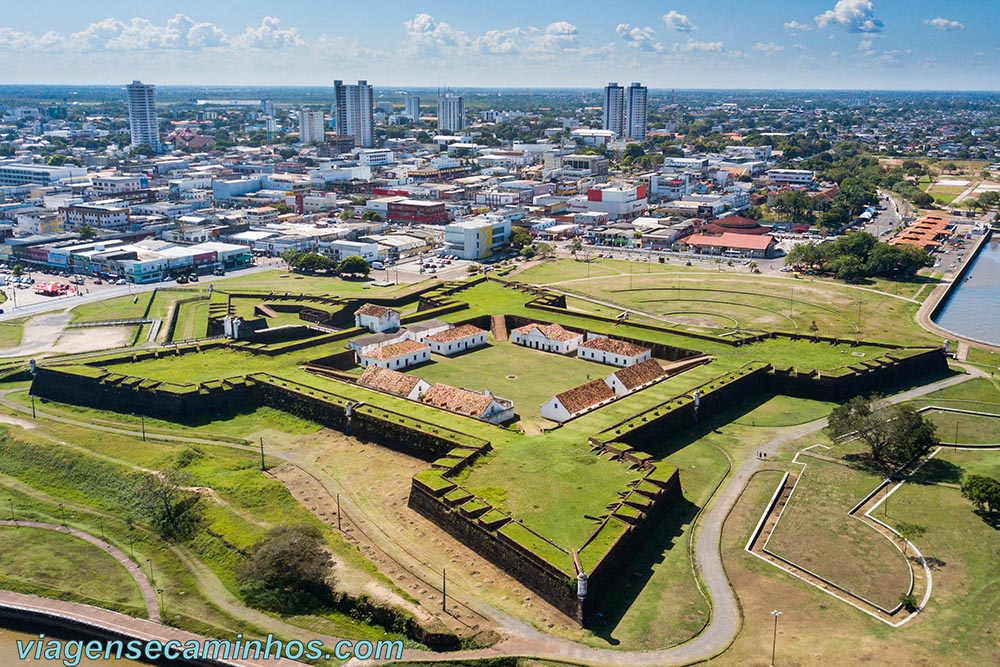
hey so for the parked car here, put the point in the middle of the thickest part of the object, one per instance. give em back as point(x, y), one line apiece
point(121, 281)
point(181, 280)
point(193, 277)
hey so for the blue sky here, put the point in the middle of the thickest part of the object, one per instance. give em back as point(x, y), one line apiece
point(894, 44)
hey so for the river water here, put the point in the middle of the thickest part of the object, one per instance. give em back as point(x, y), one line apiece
point(9, 655)
point(973, 310)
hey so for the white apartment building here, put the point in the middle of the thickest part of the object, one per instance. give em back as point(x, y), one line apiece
point(18, 173)
point(635, 112)
point(451, 112)
point(111, 185)
point(310, 126)
point(355, 113)
point(142, 122)
point(412, 107)
point(614, 109)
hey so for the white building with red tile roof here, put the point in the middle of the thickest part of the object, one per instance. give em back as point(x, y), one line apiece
point(457, 339)
point(393, 382)
point(572, 402)
point(636, 377)
point(376, 318)
point(395, 356)
point(479, 405)
point(611, 351)
point(547, 337)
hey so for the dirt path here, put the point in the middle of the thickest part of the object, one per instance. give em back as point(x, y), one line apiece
point(48, 333)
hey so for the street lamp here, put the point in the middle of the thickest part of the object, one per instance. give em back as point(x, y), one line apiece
point(774, 638)
point(152, 579)
point(11, 501)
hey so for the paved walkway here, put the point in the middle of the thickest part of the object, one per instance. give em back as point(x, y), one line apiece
point(148, 594)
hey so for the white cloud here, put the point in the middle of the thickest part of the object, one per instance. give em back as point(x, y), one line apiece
point(852, 15)
point(795, 25)
point(768, 48)
point(428, 35)
point(947, 25)
point(643, 39)
point(677, 21)
point(800, 47)
point(269, 35)
point(865, 47)
point(692, 45)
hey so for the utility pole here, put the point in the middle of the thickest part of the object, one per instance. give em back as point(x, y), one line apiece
point(444, 590)
point(774, 638)
point(262, 467)
point(338, 514)
point(142, 420)
point(12, 518)
point(33, 406)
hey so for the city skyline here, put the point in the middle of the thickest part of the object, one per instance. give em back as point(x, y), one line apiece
point(815, 44)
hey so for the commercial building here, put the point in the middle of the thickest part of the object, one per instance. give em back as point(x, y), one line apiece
point(338, 250)
point(310, 126)
point(355, 112)
point(19, 173)
point(142, 122)
point(100, 215)
point(417, 212)
point(635, 112)
point(618, 202)
point(477, 238)
point(375, 157)
point(451, 112)
point(113, 185)
point(791, 176)
point(614, 109)
point(584, 165)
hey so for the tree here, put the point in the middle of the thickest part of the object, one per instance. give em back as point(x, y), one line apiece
point(371, 216)
point(527, 252)
point(894, 434)
point(172, 511)
point(910, 532)
point(354, 264)
point(288, 571)
point(520, 236)
point(545, 249)
point(794, 205)
point(87, 232)
point(984, 492)
point(347, 213)
point(575, 246)
point(17, 270)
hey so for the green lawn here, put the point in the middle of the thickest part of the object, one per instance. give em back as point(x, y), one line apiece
point(816, 533)
point(785, 411)
point(728, 299)
point(514, 372)
point(550, 485)
point(268, 281)
point(976, 394)
point(119, 308)
point(57, 565)
point(191, 320)
point(11, 332)
point(971, 429)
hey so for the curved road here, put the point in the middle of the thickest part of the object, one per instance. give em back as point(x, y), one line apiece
point(526, 641)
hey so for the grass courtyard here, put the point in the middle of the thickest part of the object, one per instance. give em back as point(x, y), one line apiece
point(816, 533)
point(527, 377)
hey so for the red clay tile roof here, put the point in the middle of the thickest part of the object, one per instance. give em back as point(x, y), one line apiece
point(585, 396)
point(639, 374)
point(373, 309)
point(550, 331)
point(387, 380)
point(735, 224)
point(730, 240)
point(394, 350)
point(455, 333)
point(462, 401)
point(613, 346)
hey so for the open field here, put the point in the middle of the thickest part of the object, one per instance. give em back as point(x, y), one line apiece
point(53, 564)
point(971, 429)
point(816, 533)
point(957, 628)
point(191, 319)
point(978, 395)
point(271, 281)
point(738, 300)
point(119, 308)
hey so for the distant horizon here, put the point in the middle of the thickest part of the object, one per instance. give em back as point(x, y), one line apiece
point(863, 45)
point(423, 87)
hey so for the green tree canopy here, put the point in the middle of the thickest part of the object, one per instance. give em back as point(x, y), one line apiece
point(354, 264)
point(288, 571)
